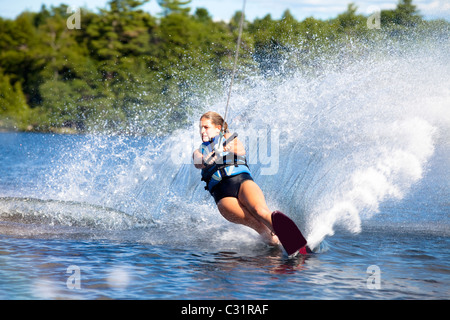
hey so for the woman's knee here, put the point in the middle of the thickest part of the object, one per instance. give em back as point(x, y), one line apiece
point(235, 213)
point(261, 209)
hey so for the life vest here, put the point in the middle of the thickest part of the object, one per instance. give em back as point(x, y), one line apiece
point(229, 164)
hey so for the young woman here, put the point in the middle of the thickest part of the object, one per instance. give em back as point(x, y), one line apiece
point(238, 198)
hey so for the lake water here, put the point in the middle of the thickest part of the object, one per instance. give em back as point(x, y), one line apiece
point(356, 153)
point(67, 232)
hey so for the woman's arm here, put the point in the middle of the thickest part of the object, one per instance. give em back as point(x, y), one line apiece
point(198, 159)
point(235, 146)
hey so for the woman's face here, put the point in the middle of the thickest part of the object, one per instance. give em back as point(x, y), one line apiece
point(208, 130)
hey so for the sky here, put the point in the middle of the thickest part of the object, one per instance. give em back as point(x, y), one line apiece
point(225, 9)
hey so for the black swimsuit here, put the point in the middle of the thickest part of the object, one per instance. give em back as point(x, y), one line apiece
point(229, 186)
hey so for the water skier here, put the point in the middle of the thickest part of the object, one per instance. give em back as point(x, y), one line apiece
point(228, 179)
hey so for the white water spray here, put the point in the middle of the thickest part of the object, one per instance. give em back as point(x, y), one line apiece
point(348, 138)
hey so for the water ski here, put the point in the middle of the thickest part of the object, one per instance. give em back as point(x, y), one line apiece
point(289, 235)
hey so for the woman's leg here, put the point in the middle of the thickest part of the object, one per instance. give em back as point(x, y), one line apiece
point(251, 196)
point(232, 210)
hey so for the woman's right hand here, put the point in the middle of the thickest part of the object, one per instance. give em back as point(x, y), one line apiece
point(197, 157)
point(209, 159)
point(201, 161)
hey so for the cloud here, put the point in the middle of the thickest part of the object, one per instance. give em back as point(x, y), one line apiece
point(435, 9)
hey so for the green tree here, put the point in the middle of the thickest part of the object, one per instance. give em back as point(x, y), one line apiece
point(349, 22)
point(405, 14)
point(14, 111)
point(20, 54)
point(119, 41)
point(128, 71)
point(63, 89)
point(174, 6)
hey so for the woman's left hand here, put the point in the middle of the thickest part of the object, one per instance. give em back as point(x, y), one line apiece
point(235, 146)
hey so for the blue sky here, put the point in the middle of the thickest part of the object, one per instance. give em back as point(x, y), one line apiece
point(224, 9)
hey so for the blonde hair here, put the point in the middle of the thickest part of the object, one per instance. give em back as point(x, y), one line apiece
point(216, 119)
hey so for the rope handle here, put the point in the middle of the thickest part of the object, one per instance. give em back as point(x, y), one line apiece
point(231, 138)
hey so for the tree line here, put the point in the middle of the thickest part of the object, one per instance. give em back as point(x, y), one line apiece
point(125, 70)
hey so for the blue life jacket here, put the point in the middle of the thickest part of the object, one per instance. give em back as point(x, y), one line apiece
point(228, 165)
